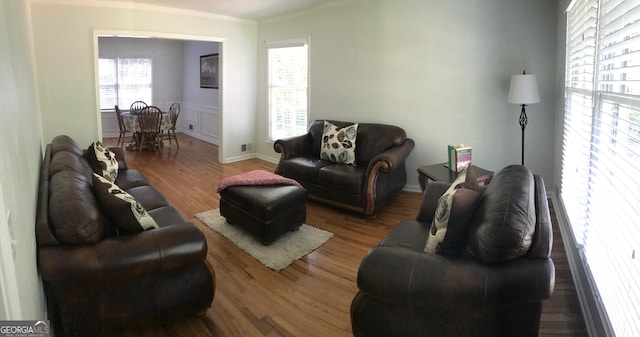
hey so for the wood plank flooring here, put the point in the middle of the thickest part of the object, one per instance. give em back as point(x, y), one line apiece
point(312, 296)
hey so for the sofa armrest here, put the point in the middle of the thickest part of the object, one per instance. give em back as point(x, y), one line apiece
point(293, 146)
point(404, 275)
point(129, 255)
point(122, 164)
point(391, 158)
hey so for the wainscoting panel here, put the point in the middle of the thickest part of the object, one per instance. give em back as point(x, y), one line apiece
point(199, 121)
point(110, 126)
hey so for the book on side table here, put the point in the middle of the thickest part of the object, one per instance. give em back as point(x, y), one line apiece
point(459, 157)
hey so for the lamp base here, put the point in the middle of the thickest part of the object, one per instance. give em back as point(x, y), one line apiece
point(523, 124)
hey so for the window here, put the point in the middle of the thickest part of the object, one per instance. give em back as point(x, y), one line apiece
point(124, 80)
point(600, 180)
point(288, 74)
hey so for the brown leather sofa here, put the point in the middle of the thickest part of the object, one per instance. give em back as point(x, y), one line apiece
point(96, 280)
point(366, 188)
point(494, 286)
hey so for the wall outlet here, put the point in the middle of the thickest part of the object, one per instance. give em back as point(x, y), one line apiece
point(243, 147)
point(190, 126)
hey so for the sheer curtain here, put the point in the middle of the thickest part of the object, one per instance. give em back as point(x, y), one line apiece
point(600, 183)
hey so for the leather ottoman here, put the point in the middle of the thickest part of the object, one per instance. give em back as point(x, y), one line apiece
point(266, 211)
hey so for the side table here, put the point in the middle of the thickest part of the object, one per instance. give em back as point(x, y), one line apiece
point(440, 172)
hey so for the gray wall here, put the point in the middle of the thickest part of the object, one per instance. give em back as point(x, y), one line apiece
point(191, 91)
point(200, 114)
point(167, 64)
point(66, 47)
point(20, 158)
point(439, 69)
point(176, 71)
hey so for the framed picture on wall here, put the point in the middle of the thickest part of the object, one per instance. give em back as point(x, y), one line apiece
point(209, 71)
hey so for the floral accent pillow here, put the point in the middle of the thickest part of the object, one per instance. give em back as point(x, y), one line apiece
point(122, 208)
point(339, 144)
point(453, 215)
point(104, 160)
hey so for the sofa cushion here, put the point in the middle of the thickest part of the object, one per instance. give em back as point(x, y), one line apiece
point(75, 214)
point(65, 143)
point(339, 144)
point(103, 161)
point(128, 214)
point(68, 161)
point(374, 139)
point(166, 216)
point(148, 196)
point(344, 178)
point(302, 169)
point(505, 220)
point(454, 211)
point(130, 178)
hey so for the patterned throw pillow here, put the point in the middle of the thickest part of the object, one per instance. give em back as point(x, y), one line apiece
point(103, 160)
point(127, 213)
point(453, 215)
point(339, 145)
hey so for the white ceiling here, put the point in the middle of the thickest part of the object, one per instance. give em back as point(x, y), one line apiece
point(244, 9)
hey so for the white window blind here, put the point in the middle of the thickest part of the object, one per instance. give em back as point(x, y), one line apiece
point(600, 183)
point(288, 72)
point(124, 80)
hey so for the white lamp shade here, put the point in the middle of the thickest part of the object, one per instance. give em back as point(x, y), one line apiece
point(523, 89)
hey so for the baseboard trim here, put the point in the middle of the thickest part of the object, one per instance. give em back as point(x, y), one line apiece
point(200, 136)
point(412, 188)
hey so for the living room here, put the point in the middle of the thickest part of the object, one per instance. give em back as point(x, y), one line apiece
point(439, 70)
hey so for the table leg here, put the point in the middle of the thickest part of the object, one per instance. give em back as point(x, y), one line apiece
point(422, 180)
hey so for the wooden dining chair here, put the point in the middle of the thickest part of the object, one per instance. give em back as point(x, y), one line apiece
point(137, 106)
point(149, 121)
point(174, 112)
point(123, 127)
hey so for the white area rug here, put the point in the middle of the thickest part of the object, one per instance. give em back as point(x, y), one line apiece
point(284, 251)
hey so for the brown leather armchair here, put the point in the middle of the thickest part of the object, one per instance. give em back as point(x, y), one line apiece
point(366, 188)
point(404, 291)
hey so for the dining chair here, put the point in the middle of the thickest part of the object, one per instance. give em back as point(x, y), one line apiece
point(174, 112)
point(137, 106)
point(149, 122)
point(123, 127)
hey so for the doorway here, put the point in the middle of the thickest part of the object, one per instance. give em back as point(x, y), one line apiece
point(175, 78)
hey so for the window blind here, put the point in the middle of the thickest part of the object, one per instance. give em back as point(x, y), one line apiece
point(124, 80)
point(600, 182)
point(288, 88)
point(580, 64)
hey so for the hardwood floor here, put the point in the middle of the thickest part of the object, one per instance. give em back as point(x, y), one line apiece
point(312, 296)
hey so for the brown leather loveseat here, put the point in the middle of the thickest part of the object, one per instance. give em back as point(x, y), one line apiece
point(98, 275)
point(493, 285)
point(379, 171)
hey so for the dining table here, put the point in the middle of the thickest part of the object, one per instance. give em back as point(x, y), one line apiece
point(131, 123)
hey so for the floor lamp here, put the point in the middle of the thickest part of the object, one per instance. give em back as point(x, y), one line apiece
point(523, 90)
